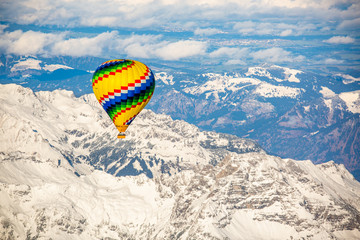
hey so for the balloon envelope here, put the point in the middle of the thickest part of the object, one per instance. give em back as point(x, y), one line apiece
point(123, 88)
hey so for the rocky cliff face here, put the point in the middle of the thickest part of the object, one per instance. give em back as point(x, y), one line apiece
point(64, 174)
point(318, 132)
point(262, 197)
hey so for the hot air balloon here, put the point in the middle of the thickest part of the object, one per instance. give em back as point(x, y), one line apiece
point(123, 88)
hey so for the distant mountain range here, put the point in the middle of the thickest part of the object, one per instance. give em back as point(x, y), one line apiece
point(65, 175)
point(290, 113)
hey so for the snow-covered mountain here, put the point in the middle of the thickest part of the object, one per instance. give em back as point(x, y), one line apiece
point(289, 112)
point(65, 175)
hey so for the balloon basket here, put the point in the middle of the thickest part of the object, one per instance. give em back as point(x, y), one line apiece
point(121, 135)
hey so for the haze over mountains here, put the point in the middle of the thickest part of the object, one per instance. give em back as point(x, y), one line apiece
point(60, 156)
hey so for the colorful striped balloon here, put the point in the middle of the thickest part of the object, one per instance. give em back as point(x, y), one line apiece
point(123, 88)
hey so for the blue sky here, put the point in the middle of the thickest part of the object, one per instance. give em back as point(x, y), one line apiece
point(302, 34)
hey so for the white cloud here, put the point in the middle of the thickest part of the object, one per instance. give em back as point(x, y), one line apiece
point(143, 50)
point(100, 21)
point(285, 33)
point(149, 48)
point(102, 45)
point(204, 18)
point(246, 27)
point(276, 55)
point(139, 51)
point(323, 4)
point(240, 56)
point(340, 40)
point(332, 61)
point(85, 46)
point(350, 24)
point(144, 39)
point(181, 49)
point(273, 28)
point(229, 52)
point(235, 62)
point(138, 46)
point(27, 43)
point(3, 27)
point(207, 31)
point(136, 14)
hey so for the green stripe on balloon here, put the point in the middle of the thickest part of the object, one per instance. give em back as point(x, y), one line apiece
point(109, 69)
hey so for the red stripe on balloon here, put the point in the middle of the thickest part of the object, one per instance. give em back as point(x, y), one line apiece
point(112, 73)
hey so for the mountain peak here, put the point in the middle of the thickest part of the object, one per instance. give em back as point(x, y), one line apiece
point(166, 179)
point(275, 72)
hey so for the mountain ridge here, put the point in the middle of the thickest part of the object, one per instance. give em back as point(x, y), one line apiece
point(166, 180)
point(271, 104)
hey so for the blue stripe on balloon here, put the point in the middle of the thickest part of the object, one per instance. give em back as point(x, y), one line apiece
point(131, 94)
